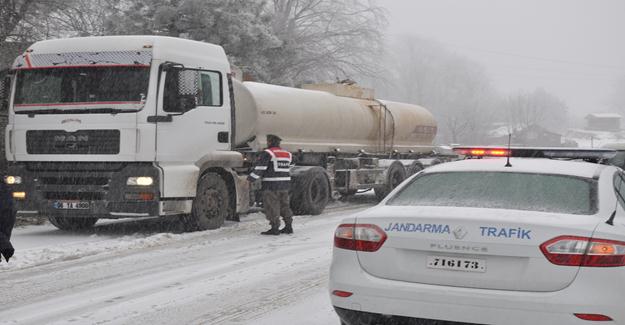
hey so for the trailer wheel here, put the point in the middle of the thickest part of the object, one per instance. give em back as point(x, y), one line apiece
point(415, 167)
point(72, 224)
point(394, 176)
point(210, 206)
point(311, 192)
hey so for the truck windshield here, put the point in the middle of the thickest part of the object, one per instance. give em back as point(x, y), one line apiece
point(81, 88)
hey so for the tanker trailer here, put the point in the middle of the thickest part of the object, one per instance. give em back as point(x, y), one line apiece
point(342, 139)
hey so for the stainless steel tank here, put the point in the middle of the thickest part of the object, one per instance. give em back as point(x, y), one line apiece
point(319, 121)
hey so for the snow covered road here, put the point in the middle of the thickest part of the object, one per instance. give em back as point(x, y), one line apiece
point(133, 273)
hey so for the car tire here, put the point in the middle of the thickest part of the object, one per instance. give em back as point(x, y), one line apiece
point(210, 206)
point(395, 174)
point(72, 223)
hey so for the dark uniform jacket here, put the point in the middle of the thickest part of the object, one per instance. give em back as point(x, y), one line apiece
point(7, 220)
point(272, 167)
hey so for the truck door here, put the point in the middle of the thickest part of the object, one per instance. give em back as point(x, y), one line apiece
point(193, 119)
point(200, 117)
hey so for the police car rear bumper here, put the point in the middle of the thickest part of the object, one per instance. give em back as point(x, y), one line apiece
point(382, 301)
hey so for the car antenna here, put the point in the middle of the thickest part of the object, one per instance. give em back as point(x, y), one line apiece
point(610, 220)
point(509, 140)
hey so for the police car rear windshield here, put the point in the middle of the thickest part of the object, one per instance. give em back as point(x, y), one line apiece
point(496, 190)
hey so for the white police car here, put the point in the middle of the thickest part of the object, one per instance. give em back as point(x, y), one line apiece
point(474, 241)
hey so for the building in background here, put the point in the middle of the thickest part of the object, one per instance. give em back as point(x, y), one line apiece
point(603, 122)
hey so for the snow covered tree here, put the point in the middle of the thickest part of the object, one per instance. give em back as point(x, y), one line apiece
point(241, 27)
point(325, 39)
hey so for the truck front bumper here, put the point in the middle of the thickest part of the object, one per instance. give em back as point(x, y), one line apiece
point(85, 189)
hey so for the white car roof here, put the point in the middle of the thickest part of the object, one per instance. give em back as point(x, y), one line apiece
point(523, 165)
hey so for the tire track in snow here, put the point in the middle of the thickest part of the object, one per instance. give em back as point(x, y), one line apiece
point(77, 290)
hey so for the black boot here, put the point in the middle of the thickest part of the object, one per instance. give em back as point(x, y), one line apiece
point(275, 230)
point(288, 229)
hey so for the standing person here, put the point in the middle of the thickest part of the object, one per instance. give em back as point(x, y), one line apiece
point(272, 167)
point(7, 220)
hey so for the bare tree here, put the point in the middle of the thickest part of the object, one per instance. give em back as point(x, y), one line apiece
point(12, 13)
point(539, 107)
point(82, 17)
point(456, 90)
point(325, 39)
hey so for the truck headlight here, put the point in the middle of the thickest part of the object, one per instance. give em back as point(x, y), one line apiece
point(140, 181)
point(12, 180)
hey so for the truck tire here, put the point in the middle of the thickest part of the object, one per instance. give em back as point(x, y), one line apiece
point(394, 176)
point(72, 224)
point(210, 206)
point(415, 167)
point(311, 192)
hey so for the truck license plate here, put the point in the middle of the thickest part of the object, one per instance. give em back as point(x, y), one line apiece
point(71, 205)
point(456, 263)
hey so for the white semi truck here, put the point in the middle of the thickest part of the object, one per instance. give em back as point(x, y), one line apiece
point(148, 126)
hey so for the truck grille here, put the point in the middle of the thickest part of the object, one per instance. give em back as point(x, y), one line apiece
point(78, 196)
point(74, 180)
point(83, 142)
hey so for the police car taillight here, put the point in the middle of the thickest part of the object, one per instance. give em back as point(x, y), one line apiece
point(583, 251)
point(359, 237)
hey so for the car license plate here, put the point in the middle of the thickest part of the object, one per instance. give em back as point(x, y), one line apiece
point(456, 263)
point(71, 205)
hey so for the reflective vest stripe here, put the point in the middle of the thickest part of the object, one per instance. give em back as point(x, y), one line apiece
point(254, 176)
point(276, 179)
point(280, 157)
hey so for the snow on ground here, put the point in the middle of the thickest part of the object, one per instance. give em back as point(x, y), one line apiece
point(594, 139)
point(137, 273)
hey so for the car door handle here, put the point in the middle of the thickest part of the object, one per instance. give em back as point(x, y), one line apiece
point(160, 118)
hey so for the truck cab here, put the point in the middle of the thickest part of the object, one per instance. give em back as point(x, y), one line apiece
point(123, 126)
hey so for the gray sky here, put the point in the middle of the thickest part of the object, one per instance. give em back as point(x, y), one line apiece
point(573, 48)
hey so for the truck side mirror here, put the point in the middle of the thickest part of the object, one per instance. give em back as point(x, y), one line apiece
point(181, 90)
point(187, 102)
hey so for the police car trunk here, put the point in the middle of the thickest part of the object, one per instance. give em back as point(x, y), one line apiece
point(480, 224)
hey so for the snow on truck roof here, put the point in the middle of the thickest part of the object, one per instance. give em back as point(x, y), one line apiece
point(162, 47)
point(522, 165)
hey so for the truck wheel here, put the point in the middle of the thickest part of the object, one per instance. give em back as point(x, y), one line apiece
point(311, 192)
point(394, 176)
point(414, 168)
point(72, 224)
point(210, 206)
